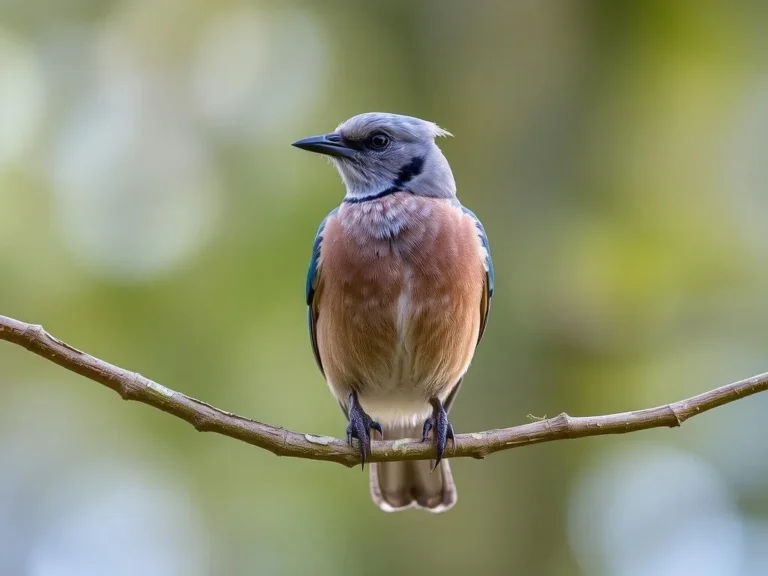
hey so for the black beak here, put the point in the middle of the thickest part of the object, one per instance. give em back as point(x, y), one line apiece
point(329, 144)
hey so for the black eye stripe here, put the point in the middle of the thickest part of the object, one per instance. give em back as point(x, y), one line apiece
point(409, 171)
point(406, 174)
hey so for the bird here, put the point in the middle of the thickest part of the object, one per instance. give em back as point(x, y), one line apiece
point(398, 293)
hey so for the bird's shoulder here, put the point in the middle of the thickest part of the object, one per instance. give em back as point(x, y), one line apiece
point(484, 244)
point(485, 255)
point(314, 260)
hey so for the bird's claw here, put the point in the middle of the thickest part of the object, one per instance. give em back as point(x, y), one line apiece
point(442, 428)
point(359, 427)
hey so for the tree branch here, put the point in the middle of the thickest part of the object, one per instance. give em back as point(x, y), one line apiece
point(206, 418)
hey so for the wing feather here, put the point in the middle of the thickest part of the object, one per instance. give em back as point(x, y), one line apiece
point(313, 275)
point(485, 300)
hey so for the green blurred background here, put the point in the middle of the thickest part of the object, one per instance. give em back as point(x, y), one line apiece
point(153, 213)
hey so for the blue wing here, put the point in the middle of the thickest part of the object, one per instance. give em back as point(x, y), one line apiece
point(485, 303)
point(312, 275)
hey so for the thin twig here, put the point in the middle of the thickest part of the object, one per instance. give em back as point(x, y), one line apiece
point(206, 418)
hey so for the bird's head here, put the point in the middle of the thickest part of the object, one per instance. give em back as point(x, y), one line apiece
point(378, 152)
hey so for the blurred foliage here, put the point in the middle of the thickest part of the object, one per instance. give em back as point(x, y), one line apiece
point(153, 213)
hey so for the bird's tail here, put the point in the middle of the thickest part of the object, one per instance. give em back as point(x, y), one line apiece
point(399, 485)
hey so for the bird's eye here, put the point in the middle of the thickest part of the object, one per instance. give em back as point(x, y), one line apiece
point(378, 141)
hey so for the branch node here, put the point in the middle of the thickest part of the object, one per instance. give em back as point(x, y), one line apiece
point(678, 421)
point(285, 439)
point(36, 330)
point(560, 425)
point(124, 389)
point(129, 388)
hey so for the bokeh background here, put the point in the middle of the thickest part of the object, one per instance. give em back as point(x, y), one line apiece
point(153, 213)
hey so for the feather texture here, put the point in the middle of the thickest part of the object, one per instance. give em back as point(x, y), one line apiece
point(397, 302)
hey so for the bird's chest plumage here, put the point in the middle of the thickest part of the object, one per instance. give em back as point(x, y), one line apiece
point(398, 299)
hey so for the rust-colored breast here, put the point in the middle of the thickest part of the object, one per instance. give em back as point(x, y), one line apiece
point(398, 297)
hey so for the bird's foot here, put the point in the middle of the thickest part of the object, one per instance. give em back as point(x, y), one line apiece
point(360, 425)
point(443, 429)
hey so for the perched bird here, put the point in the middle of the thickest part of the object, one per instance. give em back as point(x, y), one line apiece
point(399, 288)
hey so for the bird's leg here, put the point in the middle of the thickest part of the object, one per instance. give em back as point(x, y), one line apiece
point(443, 429)
point(359, 425)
